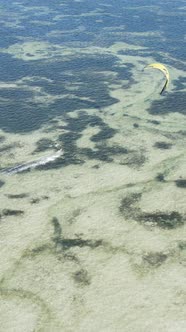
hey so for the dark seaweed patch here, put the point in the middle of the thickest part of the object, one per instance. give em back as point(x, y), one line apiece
point(129, 209)
point(57, 230)
point(74, 155)
point(162, 145)
point(96, 166)
point(2, 138)
point(173, 102)
point(29, 54)
point(105, 133)
point(179, 83)
point(67, 159)
point(163, 220)
point(181, 183)
point(99, 154)
point(43, 145)
point(7, 147)
point(75, 214)
point(40, 249)
point(128, 205)
point(35, 200)
point(2, 183)
point(66, 244)
point(154, 122)
point(182, 132)
point(182, 245)
point(78, 242)
point(45, 197)
point(81, 277)
point(135, 159)
point(128, 201)
point(71, 257)
point(103, 152)
point(12, 196)
point(21, 113)
point(9, 212)
point(155, 259)
point(160, 177)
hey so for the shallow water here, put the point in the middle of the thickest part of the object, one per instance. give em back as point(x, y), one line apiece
point(93, 238)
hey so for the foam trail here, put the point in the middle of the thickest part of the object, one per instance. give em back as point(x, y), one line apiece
point(33, 164)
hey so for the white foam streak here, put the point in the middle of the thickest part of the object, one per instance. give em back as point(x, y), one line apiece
point(33, 164)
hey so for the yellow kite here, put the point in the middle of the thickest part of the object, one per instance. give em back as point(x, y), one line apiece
point(164, 70)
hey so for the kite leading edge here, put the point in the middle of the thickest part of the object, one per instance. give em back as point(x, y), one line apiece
point(164, 70)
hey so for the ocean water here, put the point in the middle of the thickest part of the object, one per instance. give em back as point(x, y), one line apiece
point(92, 166)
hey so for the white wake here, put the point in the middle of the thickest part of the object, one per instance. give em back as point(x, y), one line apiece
point(32, 164)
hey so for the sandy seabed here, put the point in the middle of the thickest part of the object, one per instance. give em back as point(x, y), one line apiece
point(99, 246)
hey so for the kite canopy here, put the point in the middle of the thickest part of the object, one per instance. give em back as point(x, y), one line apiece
point(164, 70)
